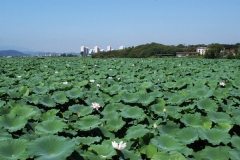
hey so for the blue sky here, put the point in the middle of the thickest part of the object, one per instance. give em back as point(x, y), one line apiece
point(65, 25)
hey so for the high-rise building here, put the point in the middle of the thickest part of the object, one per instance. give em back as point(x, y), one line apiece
point(96, 49)
point(121, 47)
point(84, 51)
point(109, 48)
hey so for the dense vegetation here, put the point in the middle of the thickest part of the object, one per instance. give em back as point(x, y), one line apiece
point(76, 108)
point(159, 50)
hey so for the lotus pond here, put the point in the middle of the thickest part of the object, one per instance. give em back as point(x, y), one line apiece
point(73, 108)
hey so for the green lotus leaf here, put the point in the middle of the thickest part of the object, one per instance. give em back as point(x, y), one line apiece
point(105, 132)
point(192, 120)
point(114, 89)
point(234, 154)
point(213, 153)
point(13, 93)
point(25, 111)
point(2, 103)
point(110, 115)
point(137, 131)
point(133, 112)
point(86, 140)
point(235, 140)
point(129, 97)
point(114, 107)
point(4, 135)
point(49, 115)
point(187, 135)
point(50, 127)
point(219, 117)
point(50, 147)
point(146, 85)
point(82, 83)
point(41, 90)
point(60, 97)
point(33, 99)
point(169, 156)
point(207, 104)
point(224, 126)
point(158, 109)
point(75, 93)
point(12, 122)
point(169, 84)
point(95, 99)
point(126, 154)
point(47, 101)
point(115, 99)
point(81, 110)
point(88, 122)
point(24, 91)
point(236, 83)
point(176, 99)
point(150, 150)
point(169, 128)
point(146, 98)
point(12, 149)
point(105, 150)
point(218, 94)
point(104, 97)
point(115, 124)
point(166, 143)
point(214, 136)
point(202, 92)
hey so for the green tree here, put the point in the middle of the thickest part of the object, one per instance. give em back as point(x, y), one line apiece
point(214, 51)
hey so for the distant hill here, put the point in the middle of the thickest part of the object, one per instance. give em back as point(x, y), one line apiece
point(12, 53)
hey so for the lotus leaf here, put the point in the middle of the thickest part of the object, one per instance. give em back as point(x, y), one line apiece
point(47, 101)
point(4, 135)
point(88, 122)
point(234, 154)
point(2, 103)
point(169, 156)
point(81, 110)
point(202, 93)
point(40, 90)
point(207, 104)
point(235, 140)
point(150, 150)
point(146, 85)
point(105, 150)
point(170, 128)
point(146, 98)
point(214, 136)
point(129, 97)
point(126, 154)
point(158, 109)
point(219, 117)
point(12, 122)
point(115, 124)
point(12, 149)
point(49, 115)
point(133, 112)
point(50, 127)
point(110, 115)
point(24, 91)
point(236, 83)
point(33, 99)
point(60, 97)
point(213, 153)
point(166, 143)
point(176, 99)
point(50, 147)
point(187, 135)
point(192, 120)
point(137, 131)
point(86, 140)
point(74, 93)
point(26, 111)
point(114, 89)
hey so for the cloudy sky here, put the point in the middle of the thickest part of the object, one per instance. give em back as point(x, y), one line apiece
point(65, 25)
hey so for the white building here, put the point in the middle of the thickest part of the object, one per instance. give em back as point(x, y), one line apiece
point(96, 49)
point(84, 51)
point(121, 47)
point(201, 50)
point(109, 48)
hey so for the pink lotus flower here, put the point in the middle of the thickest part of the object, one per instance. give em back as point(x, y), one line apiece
point(119, 146)
point(95, 105)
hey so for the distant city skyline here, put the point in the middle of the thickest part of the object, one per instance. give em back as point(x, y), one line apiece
point(62, 26)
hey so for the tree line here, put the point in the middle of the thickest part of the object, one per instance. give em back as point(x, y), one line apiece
point(215, 50)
